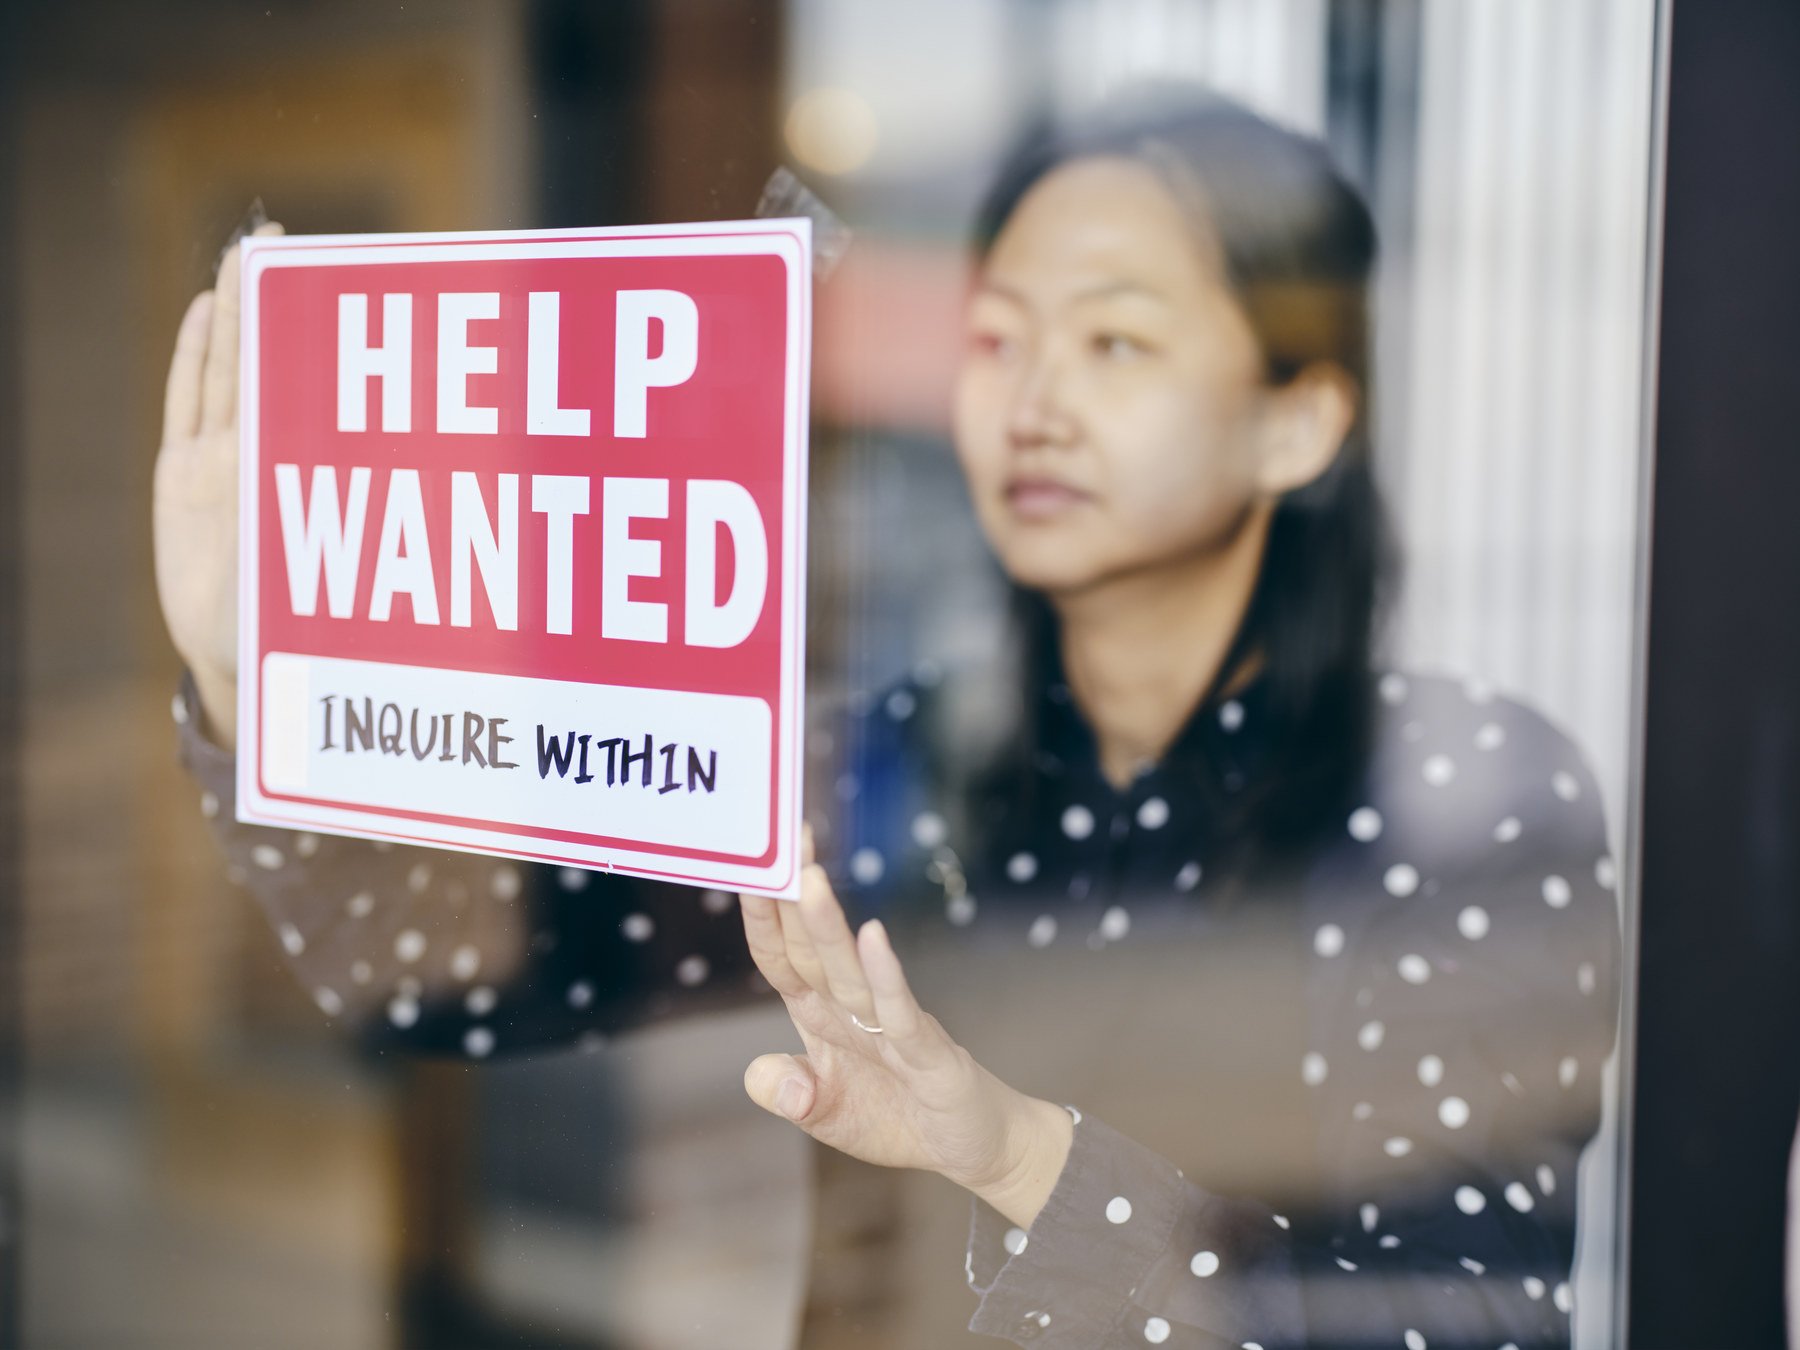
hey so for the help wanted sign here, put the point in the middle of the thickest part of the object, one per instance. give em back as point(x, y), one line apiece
point(523, 544)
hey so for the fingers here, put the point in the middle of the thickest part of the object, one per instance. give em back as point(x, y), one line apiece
point(823, 920)
point(181, 396)
point(782, 1085)
point(768, 944)
point(903, 1022)
point(218, 386)
point(800, 951)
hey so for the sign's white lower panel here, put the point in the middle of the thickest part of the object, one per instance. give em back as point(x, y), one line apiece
point(660, 766)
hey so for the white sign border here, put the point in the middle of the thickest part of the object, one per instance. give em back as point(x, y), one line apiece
point(788, 239)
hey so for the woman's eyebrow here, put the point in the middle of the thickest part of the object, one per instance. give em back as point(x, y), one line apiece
point(1106, 290)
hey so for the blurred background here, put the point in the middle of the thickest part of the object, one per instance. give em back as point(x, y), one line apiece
point(202, 1161)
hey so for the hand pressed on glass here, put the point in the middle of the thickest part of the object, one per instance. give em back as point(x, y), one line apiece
point(196, 495)
point(909, 1096)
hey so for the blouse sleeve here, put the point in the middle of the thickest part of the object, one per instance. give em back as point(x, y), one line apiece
point(1463, 1001)
point(442, 952)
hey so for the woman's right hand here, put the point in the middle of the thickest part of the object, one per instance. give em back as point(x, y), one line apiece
point(196, 497)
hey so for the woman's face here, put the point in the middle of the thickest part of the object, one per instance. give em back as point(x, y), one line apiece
point(1108, 410)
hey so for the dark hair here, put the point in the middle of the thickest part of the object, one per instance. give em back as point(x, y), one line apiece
point(1297, 246)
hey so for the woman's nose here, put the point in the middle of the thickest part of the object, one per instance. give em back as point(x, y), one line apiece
point(1038, 414)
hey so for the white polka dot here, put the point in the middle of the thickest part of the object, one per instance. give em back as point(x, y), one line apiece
point(1470, 1201)
point(1250, 1345)
point(1518, 1197)
point(1474, 1267)
point(267, 857)
point(480, 1000)
point(1388, 1241)
point(1043, 1319)
point(1490, 736)
point(1021, 867)
point(361, 972)
point(1438, 770)
point(464, 962)
point(1507, 830)
point(1156, 1331)
point(505, 883)
point(209, 804)
point(1546, 1179)
point(403, 1011)
point(1313, 1068)
point(1414, 1341)
point(306, 844)
point(1453, 1112)
point(928, 829)
point(1043, 931)
point(1344, 1264)
point(1584, 977)
point(1280, 1220)
point(1534, 1288)
point(1231, 714)
point(1606, 873)
point(1204, 1264)
point(1566, 1071)
point(692, 970)
point(580, 994)
point(716, 902)
point(178, 709)
point(1370, 1034)
point(1556, 892)
point(1393, 688)
point(329, 1002)
point(1563, 1297)
point(1074, 1114)
point(1118, 1209)
point(1414, 969)
point(900, 705)
point(291, 941)
point(478, 1042)
point(1563, 784)
point(1397, 1147)
point(1188, 877)
point(1078, 822)
point(1329, 940)
point(1431, 1070)
point(637, 927)
point(418, 878)
point(1115, 923)
point(360, 905)
point(1015, 1240)
point(1153, 814)
point(1513, 1085)
point(572, 878)
point(1401, 880)
point(1365, 824)
point(1369, 1215)
point(866, 867)
point(409, 945)
point(960, 909)
point(1361, 1111)
point(1472, 923)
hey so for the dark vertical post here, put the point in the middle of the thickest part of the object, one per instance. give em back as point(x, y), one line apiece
point(1717, 1077)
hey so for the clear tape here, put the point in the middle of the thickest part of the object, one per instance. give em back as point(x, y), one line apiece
point(785, 195)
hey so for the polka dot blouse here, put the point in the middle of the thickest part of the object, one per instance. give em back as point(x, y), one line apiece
point(1339, 1102)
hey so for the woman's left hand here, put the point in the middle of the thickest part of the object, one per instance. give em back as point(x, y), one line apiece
point(905, 1096)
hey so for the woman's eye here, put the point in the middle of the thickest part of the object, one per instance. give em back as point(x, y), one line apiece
point(1118, 346)
point(988, 343)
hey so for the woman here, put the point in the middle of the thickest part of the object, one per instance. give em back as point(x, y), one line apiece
point(1322, 965)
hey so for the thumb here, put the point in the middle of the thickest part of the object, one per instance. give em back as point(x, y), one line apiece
point(782, 1085)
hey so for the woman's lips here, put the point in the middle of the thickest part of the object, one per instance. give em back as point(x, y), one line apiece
point(1042, 498)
